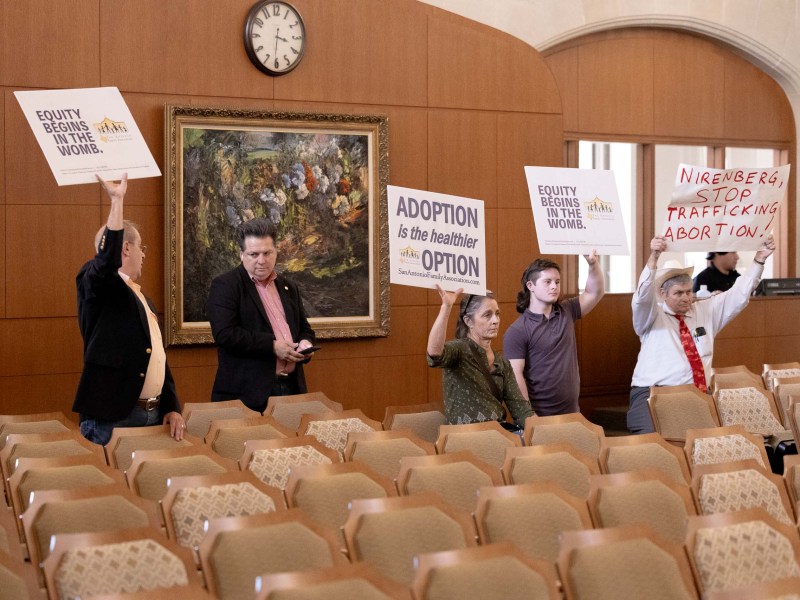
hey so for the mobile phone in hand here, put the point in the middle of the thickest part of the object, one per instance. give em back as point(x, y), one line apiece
point(309, 350)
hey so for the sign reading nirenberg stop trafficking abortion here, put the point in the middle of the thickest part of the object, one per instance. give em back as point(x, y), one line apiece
point(436, 238)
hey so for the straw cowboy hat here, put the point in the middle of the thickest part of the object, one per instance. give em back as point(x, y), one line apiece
point(671, 268)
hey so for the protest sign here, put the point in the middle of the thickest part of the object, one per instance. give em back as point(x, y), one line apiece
point(576, 211)
point(436, 238)
point(86, 131)
point(723, 210)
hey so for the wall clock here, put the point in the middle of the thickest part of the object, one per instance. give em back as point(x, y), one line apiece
point(274, 36)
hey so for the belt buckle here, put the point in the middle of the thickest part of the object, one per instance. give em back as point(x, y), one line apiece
point(151, 404)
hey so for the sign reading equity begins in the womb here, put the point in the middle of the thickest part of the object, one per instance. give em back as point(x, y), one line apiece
point(86, 131)
point(436, 238)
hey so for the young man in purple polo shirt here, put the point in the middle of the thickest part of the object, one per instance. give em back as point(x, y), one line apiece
point(540, 344)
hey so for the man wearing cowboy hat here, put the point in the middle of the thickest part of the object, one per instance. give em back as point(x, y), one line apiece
point(676, 333)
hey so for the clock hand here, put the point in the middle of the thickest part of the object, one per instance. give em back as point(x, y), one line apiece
point(277, 37)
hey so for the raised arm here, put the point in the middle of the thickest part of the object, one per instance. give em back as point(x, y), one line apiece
point(643, 302)
point(595, 285)
point(436, 337)
point(116, 193)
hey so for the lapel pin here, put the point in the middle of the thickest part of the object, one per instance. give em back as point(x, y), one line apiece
point(286, 287)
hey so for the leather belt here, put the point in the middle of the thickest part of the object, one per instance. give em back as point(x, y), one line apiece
point(148, 404)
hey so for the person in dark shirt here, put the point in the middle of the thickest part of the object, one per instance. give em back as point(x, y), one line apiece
point(720, 274)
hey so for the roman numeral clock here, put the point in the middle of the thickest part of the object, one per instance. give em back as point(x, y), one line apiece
point(274, 36)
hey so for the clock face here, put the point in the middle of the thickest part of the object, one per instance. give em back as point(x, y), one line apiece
point(274, 36)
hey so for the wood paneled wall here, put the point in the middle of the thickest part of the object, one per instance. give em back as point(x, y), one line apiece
point(468, 107)
point(658, 86)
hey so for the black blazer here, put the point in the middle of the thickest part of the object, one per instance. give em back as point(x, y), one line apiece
point(116, 339)
point(244, 336)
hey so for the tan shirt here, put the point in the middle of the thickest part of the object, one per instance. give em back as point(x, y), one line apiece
point(157, 367)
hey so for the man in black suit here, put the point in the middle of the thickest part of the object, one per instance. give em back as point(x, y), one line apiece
point(126, 381)
point(259, 324)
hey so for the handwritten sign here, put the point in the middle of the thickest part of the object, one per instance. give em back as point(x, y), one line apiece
point(86, 131)
point(436, 238)
point(576, 211)
point(724, 210)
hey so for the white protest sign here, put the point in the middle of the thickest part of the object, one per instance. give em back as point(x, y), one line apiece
point(724, 210)
point(86, 131)
point(576, 211)
point(436, 238)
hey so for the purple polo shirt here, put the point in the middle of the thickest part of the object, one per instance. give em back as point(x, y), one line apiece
point(551, 357)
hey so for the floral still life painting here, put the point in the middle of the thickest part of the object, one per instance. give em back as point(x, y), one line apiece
point(316, 177)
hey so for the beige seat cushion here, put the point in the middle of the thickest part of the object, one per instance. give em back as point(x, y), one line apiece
point(60, 478)
point(456, 483)
point(240, 556)
point(479, 579)
point(750, 408)
point(123, 452)
point(125, 567)
point(533, 522)
point(272, 466)
point(740, 490)
point(389, 541)
point(383, 456)
point(560, 467)
point(425, 424)
point(333, 434)
point(626, 569)
point(724, 448)
point(193, 506)
point(151, 479)
point(230, 442)
point(489, 446)
point(576, 434)
point(738, 555)
point(623, 459)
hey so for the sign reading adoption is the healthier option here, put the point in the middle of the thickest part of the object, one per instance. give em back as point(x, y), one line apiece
point(436, 238)
point(724, 210)
point(87, 131)
point(576, 211)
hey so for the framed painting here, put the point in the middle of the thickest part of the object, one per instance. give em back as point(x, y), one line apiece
point(321, 178)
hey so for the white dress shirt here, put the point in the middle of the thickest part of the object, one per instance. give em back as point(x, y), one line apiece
point(662, 360)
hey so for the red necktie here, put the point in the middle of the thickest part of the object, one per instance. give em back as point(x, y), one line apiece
point(698, 373)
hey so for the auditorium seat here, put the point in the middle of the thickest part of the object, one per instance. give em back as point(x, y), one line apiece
point(573, 429)
point(627, 453)
point(422, 419)
point(151, 469)
point(473, 573)
point(532, 516)
point(773, 371)
point(325, 492)
point(192, 500)
point(345, 582)
point(736, 549)
point(738, 486)
point(331, 428)
point(623, 563)
point(381, 451)
point(675, 409)
point(558, 463)
point(722, 445)
point(646, 497)
point(227, 436)
point(84, 510)
point(288, 410)
point(198, 415)
point(487, 440)
point(456, 477)
point(126, 440)
point(84, 565)
point(271, 460)
point(387, 533)
point(236, 550)
point(734, 377)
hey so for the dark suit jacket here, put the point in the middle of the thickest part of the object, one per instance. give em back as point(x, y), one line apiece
point(244, 336)
point(116, 339)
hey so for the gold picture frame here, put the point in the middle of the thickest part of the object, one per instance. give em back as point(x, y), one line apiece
point(320, 177)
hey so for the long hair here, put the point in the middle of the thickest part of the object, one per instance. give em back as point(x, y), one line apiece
point(532, 274)
point(469, 304)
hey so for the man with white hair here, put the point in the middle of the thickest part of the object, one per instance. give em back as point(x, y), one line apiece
point(677, 333)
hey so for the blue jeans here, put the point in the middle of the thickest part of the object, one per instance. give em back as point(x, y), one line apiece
point(99, 431)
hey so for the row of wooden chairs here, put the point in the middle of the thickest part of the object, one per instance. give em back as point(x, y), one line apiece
point(741, 376)
point(391, 535)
